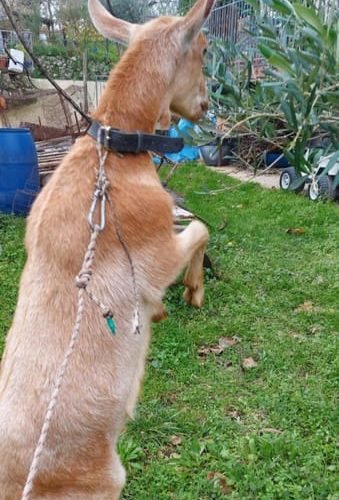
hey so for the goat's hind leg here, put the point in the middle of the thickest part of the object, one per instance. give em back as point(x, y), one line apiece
point(192, 243)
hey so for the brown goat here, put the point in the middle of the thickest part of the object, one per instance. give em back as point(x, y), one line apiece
point(160, 72)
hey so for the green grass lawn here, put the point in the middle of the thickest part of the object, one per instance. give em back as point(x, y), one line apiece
point(206, 427)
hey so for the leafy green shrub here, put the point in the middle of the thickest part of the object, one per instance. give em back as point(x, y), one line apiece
point(66, 62)
point(50, 49)
point(295, 106)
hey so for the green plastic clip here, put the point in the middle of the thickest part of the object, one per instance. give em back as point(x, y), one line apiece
point(111, 324)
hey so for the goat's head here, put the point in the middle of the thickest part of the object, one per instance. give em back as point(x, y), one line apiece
point(178, 49)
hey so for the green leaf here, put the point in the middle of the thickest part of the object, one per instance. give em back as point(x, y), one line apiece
point(281, 62)
point(276, 59)
point(305, 58)
point(268, 31)
point(332, 97)
point(282, 6)
point(288, 109)
point(295, 91)
point(312, 35)
point(265, 50)
point(311, 100)
point(309, 16)
point(290, 156)
point(270, 42)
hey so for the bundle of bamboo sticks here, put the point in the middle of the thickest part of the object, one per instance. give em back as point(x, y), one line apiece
point(51, 152)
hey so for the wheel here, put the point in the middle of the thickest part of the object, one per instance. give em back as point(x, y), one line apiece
point(321, 189)
point(287, 177)
point(336, 193)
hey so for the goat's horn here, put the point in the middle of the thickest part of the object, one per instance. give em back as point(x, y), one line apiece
point(109, 26)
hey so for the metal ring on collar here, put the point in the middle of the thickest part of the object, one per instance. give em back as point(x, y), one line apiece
point(139, 143)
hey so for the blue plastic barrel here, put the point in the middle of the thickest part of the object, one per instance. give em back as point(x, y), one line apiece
point(19, 174)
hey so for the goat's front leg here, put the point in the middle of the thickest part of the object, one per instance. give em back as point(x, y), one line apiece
point(192, 243)
point(159, 313)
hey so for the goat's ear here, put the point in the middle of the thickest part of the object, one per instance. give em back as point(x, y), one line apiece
point(109, 26)
point(195, 18)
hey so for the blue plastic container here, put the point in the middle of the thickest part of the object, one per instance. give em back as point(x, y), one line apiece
point(188, 153)
point(19, 174)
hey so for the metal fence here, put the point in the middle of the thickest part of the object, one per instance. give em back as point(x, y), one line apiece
point(231, 22)
point(236, 22)
point(228, 22)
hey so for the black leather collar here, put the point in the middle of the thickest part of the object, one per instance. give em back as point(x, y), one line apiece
point(134, 142)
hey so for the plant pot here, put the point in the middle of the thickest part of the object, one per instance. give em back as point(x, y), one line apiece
point(216, 154)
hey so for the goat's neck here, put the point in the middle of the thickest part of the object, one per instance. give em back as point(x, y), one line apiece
point(135, 97)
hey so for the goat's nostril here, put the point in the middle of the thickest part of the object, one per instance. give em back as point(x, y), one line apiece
point(204, 105)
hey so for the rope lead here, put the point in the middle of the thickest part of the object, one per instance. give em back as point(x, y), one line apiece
point(82, 281)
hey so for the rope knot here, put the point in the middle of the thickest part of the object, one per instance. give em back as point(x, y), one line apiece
point(106, 185)
point(106, 312)
point(101, 186)
point(83, 278)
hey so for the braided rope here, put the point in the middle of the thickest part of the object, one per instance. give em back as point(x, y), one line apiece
point(51, 407)
point(136, 318)
point(82, 281)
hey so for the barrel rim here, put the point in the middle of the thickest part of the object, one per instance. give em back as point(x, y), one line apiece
point(4, 129)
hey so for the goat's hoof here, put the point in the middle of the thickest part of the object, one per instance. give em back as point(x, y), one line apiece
point(195, 297)
point(161, 315)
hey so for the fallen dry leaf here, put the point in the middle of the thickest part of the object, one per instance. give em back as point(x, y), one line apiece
point(225, 488)
point(204, 350)
point(223, 343)
point(216, 349)
point(248, 363)
point(176, 440)
point(234, 414)
point(307, 306)
point(228, 341)
point(220, 479)
point(175, 455)
point(296, 230)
